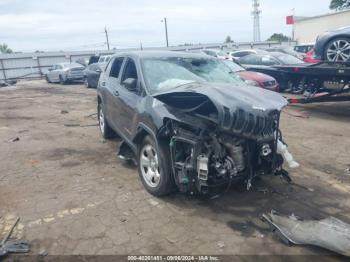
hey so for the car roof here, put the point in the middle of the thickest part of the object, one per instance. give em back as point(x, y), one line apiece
point(160, 54)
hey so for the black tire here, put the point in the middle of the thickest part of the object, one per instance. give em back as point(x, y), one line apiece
point(166, 183)
point(47, 79)
point(62, 81)
point(106, 131)
point(86, 82)
point(330, 45)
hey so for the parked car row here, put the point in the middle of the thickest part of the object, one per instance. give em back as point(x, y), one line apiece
point(87, 70)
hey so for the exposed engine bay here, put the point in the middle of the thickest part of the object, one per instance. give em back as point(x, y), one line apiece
point(202, 159)
point(211, 149)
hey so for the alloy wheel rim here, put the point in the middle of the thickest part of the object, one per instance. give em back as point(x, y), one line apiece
point(339, 51)
point(149, 165)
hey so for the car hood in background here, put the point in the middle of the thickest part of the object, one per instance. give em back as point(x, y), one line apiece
point(259, 77)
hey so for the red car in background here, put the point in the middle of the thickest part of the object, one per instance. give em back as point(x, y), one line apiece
point(309, 57)
point(253, 78)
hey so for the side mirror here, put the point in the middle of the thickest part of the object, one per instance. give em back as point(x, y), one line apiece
point(130, 84)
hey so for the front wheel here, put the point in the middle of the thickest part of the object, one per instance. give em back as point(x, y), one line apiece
point(338, 50)
point(86, 82)
point(106, 130)
point(154, 167)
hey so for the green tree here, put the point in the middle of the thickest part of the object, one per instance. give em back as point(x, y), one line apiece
point(4, 49)
point(228, 39)
point(339, 4)
point(279, 38)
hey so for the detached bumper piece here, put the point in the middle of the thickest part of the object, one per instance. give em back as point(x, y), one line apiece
point(330, 233)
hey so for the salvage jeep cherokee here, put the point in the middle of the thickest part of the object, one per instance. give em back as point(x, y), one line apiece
point(190, 122)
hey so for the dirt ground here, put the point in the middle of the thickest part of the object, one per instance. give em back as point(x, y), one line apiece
point(74, 196)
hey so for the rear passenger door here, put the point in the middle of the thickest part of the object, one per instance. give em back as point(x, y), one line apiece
point(112, 87)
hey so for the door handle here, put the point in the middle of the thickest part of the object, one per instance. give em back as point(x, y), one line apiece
point(103, 84)
point(116, 93)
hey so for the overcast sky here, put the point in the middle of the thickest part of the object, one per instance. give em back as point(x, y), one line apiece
point(50, 25)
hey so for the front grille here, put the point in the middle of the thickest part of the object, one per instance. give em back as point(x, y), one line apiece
point(76, 69)
point(259, 126)
point(269, 83)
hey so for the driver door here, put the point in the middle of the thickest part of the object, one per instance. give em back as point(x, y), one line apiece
point(129, 99)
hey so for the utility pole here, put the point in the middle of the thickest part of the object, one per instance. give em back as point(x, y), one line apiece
point(166, 31)
point(293, 28)
point(256, 16)
point(107, 39)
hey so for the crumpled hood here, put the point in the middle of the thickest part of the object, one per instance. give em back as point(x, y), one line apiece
point(227, 95)
point(246, 111)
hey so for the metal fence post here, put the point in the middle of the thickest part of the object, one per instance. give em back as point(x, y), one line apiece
point(39, 67)
point(3, 69)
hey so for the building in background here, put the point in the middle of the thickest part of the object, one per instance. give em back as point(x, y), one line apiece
point(306, 29)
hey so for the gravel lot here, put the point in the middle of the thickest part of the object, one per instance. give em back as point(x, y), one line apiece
point(74, 196)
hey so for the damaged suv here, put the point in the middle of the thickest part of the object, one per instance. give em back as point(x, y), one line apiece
point(189, 122)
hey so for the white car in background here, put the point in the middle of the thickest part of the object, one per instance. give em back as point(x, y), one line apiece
point(104, 58)
point(215, 53)
point(241, 53)
point(65, 72)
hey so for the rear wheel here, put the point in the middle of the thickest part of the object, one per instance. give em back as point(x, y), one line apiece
point(47, 79)
point(106, 130)
point(62, 81)
point(338, 50)
point(155, 167)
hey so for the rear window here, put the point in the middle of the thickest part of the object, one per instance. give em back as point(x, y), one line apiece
point(250, 60)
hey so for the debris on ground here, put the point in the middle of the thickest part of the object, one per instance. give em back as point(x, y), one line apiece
point(64, 112)
point(16, 139)
point(7, 246)
point(329, 233)
point(221, 244)
point(263, 190)
point(4, 83)
point(43, 253)
point(214, 197)
point(296, 113)
point(94, 115)
point(153, 202)
point(347, 171)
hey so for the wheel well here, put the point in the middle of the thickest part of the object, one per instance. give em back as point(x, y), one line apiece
point(335, 37)
point(141, 134)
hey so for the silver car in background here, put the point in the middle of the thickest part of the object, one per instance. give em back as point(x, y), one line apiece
point(65, 72)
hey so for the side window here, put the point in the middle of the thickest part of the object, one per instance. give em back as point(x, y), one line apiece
point(116, 66)
point(130, 70)
point(268, 61)
point(249, 60)
point(92, 67)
